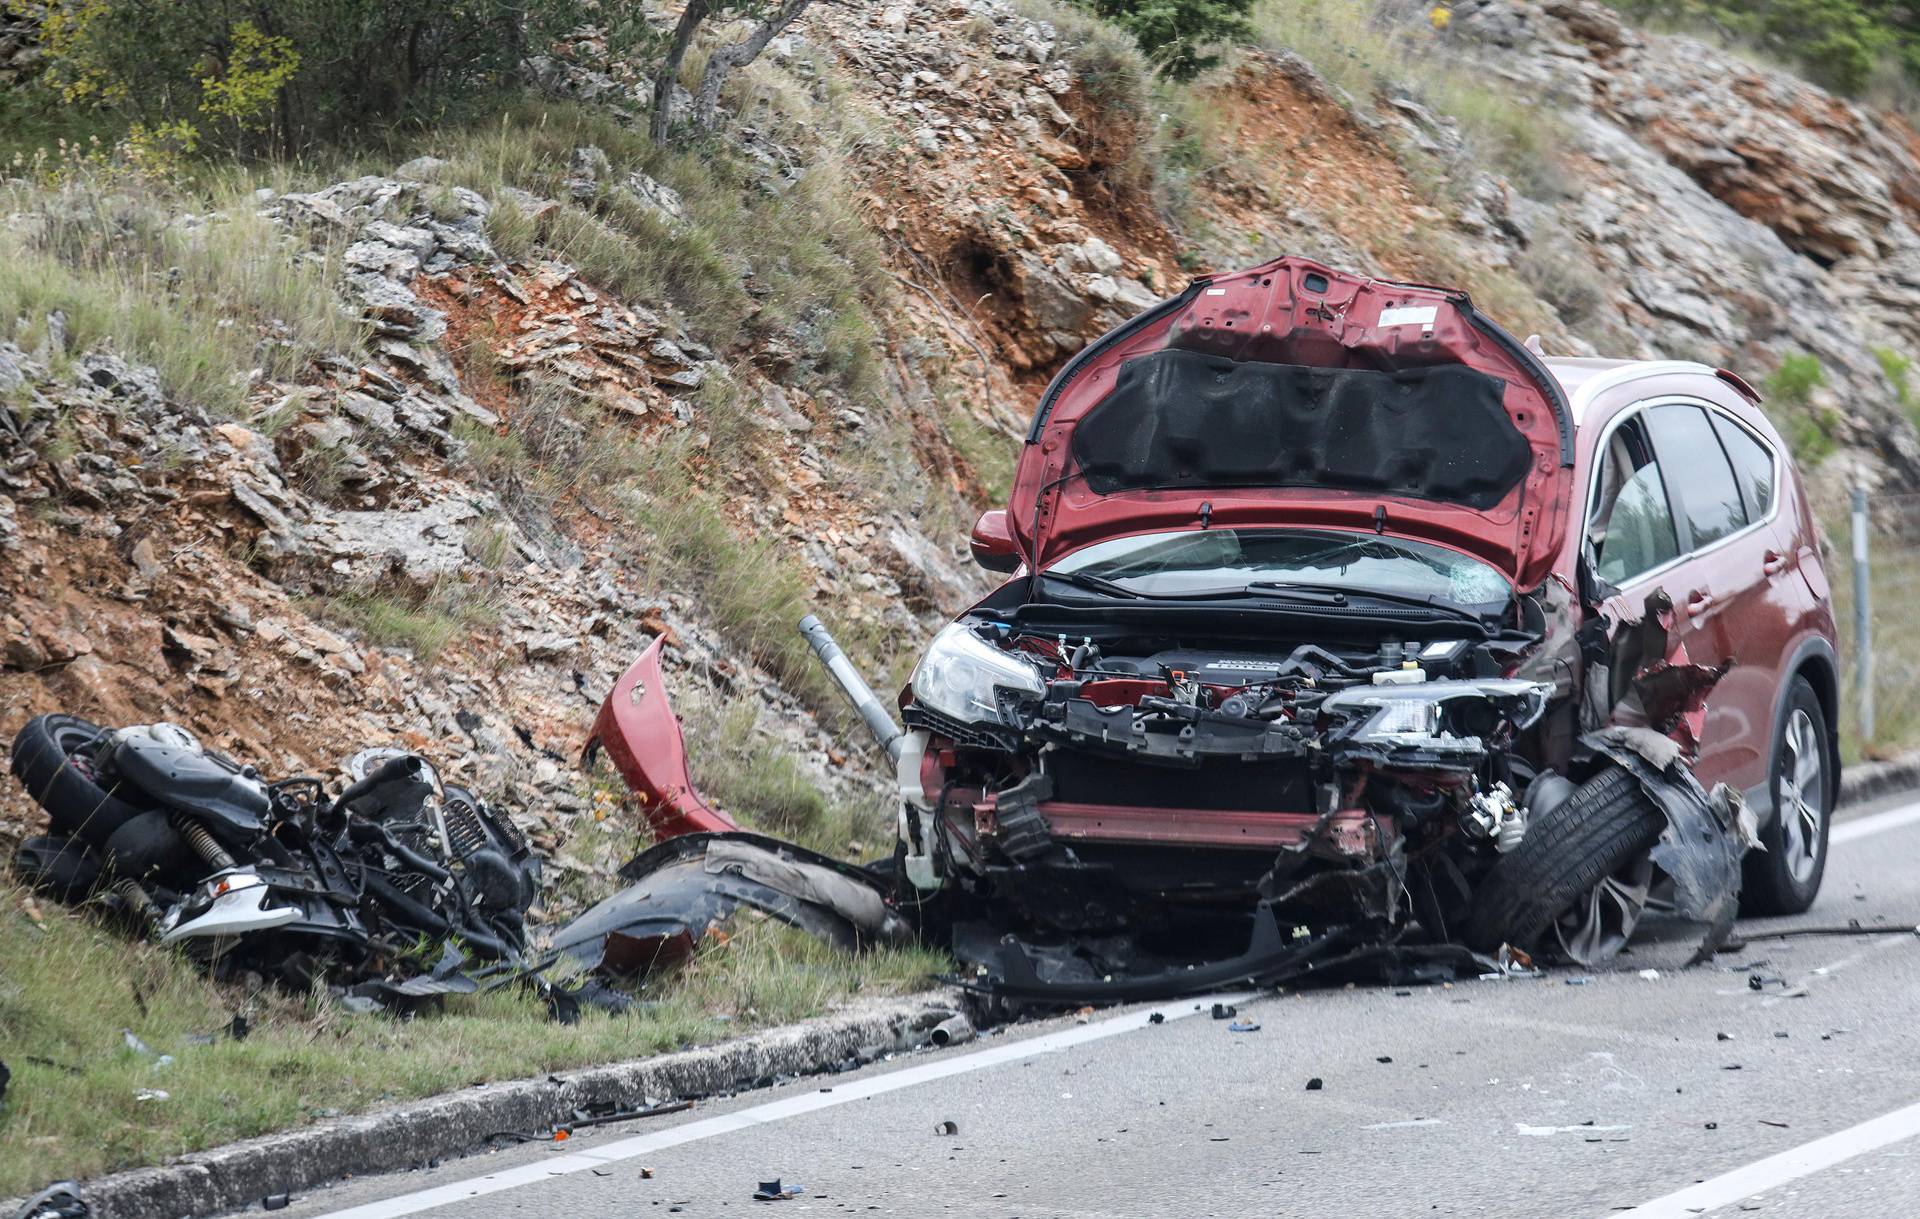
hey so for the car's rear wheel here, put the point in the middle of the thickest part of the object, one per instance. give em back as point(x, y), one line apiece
point(1581, 859)
point(1785, 877)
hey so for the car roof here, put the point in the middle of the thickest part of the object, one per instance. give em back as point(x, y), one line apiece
point(1583, 378)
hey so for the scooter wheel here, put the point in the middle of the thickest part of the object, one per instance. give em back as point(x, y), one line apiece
point(52, 760)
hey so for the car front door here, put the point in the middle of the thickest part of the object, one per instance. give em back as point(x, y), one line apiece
point(1721, 586)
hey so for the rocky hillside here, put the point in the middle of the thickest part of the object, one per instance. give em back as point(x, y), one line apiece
point(564, 392)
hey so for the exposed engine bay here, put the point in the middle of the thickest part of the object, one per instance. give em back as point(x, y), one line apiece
point(1089, 803)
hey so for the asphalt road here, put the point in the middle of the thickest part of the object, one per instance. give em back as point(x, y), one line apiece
point(1525, 1098)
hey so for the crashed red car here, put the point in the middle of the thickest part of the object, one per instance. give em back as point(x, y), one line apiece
point(1344, 631)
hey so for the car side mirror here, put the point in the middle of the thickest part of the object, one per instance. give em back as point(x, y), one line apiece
point(992, 542)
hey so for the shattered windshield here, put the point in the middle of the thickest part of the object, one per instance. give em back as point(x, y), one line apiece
point(1212, 562)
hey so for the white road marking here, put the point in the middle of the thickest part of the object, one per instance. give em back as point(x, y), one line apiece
point(1801, 1161)
point(1879, 823)
point(774, 1111)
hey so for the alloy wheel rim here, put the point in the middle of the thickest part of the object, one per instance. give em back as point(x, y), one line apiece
point(1599, 925)
point(1803, 796)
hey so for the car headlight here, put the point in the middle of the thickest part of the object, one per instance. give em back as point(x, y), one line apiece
point(1419, 714)
point(961, 674)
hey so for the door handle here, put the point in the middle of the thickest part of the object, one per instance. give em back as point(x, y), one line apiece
point(1773, 562)
point(1699, 601)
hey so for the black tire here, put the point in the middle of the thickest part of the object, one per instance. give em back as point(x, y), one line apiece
point(1769, 884)
point(58, 867)
point(51, 760)
point(1606, 824)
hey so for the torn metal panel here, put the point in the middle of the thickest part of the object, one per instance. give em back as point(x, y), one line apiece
point(640, 735)
point(686, 885)
point(1707, 833)
point(1117, 970)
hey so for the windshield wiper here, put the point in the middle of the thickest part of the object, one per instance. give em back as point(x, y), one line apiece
point(1093, 583)
point(1287, 587)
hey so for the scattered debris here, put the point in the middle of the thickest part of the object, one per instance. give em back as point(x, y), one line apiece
point(607, 1113)
point(774, 1191)
point(1541, 1132)
point(276, 1202)
point(1224, 1011)
point(61, 1200)
point(683, 887)
point(954, 1030)
point(1244, 1026)
point(1315, 1084)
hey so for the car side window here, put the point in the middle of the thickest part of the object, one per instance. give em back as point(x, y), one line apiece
point(1752, 465)
point(1632, 523)
point(1706, 493)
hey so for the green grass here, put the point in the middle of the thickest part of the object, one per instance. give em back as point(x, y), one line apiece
point(1812, 431)
point(68, 987)
point(423, 624)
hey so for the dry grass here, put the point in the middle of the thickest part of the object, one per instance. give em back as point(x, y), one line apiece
point(752, 257)
point(1367, 47)
point(189, 279)
point(1895, 566)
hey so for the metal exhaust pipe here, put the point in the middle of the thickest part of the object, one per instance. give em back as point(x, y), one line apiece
point(855, 687)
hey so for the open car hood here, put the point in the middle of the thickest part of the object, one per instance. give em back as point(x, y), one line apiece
point(1294, 394)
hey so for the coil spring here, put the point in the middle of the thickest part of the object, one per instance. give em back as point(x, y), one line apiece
point(464, 831)
point(203, 844)
point(130, 891)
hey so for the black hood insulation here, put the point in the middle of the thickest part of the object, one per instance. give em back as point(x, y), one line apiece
point(1180, 420)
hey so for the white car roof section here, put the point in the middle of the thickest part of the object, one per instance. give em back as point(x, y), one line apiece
point(1585, 379)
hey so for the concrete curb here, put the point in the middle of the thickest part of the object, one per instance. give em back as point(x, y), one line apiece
point(1864, 781)
point(407, 1135)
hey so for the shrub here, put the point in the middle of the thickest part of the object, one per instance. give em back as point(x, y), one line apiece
point(1812, 431)
point(1182, 37)
point(1795, 378)
point(289, 74)
point(1842, 44)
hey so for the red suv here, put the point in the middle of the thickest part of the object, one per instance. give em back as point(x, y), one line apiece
point(1343, 628)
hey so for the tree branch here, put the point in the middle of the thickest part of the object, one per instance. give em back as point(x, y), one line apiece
point(660, 124)
point(725, 60)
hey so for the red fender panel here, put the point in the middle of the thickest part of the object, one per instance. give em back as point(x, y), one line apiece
point(641, 736)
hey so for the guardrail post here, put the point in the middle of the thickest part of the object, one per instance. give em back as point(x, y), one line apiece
point(1862, 614)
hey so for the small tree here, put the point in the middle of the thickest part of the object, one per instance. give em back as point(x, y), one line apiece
point(770, 20)
point(1181, 37)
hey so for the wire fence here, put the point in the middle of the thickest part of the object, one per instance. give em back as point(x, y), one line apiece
point(1874, 570)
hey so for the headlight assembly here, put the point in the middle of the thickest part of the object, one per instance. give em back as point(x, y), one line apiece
point(961, 674)
point(1438, 714)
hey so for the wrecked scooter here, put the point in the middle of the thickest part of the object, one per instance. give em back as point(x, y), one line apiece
point(275, 876)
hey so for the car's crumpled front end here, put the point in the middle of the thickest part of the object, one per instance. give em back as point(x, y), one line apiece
point(1251, 779)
